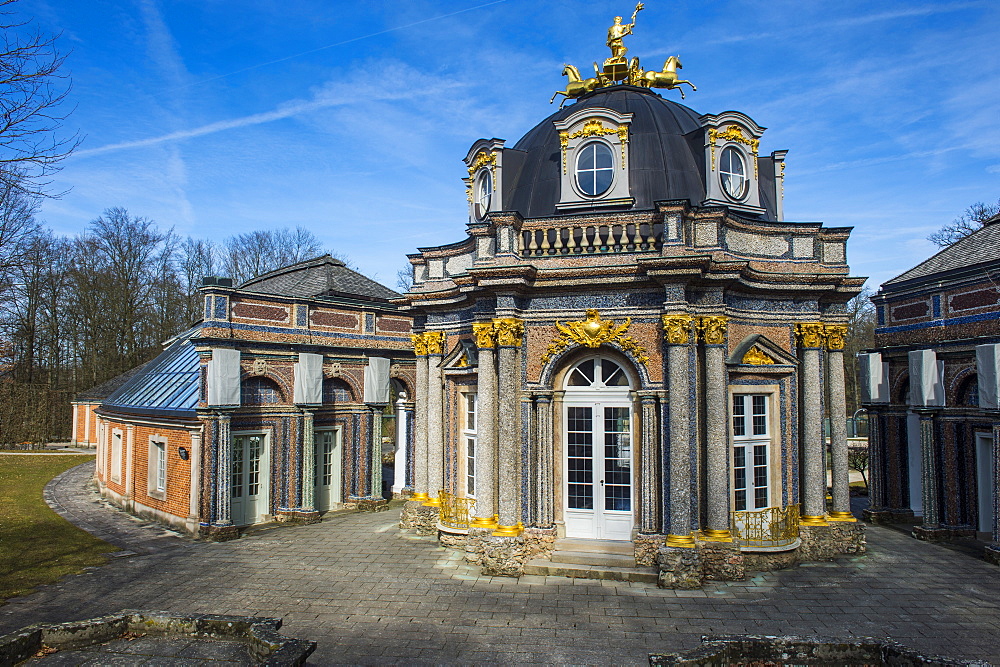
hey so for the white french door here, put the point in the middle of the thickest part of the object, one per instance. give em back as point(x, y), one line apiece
point(598, 466)
point(249, 479)
point(326, 473)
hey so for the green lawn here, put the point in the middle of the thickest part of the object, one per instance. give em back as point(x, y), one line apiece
point(37, 546)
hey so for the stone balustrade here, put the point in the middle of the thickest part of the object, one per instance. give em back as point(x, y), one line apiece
point(590, 239)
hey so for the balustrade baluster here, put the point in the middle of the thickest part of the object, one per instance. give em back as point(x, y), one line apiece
point(571, 241)
point(605, 241)
point(558, 245)
point(585, 240)
point(651, 241)
point(545, 243)
point(622, 241)
point(637, 236)
point(533, 245)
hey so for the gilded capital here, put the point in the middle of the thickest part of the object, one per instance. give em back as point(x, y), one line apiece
point(712, 329)
point(810, 334)
point(485, 333)
point(678, 328)
point(434, 340)
point(836, 336)
point(509, 331)
point(419, 345)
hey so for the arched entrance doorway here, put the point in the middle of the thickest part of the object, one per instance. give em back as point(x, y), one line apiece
point(597, 436)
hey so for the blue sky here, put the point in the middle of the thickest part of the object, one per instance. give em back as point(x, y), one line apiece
point(351, 119)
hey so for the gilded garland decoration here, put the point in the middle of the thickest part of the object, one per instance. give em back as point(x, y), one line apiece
point(735, 134)
point(593, 332)
point(593, 128)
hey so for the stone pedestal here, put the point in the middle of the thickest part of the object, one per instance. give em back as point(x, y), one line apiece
point(849, 537)
point(475, 544)
point(722, 561)
point(992, 553)
point(297, 517)
point(768, 561)
point(818, 543)
point(679, 568)
point(219, 533)
point(504, 556)
point(419, 517)
point(372, 504)
point(647, 547)
point(941, 534)
point(886, 516)
point(452, 540)
point(538, 542)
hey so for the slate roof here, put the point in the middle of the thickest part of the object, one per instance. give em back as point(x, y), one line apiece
point(168, 385)
point(105, 389)
point(980, 247)
point(317, 278)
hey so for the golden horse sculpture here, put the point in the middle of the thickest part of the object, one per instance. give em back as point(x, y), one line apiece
point(577, 85)
point(667, 77)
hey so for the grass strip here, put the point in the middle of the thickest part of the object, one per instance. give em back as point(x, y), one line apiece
point(37, 546)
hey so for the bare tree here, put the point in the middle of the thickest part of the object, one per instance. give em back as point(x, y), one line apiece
point(33, 90)
point(404, 278)
point(255, 253)
point(860, 336)
point(973, 219)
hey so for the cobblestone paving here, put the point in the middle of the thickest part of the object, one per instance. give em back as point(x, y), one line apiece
point(371, 594)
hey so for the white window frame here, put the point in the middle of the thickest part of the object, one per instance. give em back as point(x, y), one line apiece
point(577, 171)
point(117, 448)
point(744, 176)
point(156, 477)
point(748, 440)
point(470, 436)
point(484, 191)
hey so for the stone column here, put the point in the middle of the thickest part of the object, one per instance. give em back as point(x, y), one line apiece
point(420, 422)
point(194, 506)
point(713, 333)
point(375, 474)
point(543, 424)
point(308, 462)
point(649, 460)
point(510, 332)
point(678, 334)
point(402, 434)
point(435, 417)
point(876, 495)
point(929, 469)
point(484, 514)
point(224, 468)
point(812, 474)
point(837, 400)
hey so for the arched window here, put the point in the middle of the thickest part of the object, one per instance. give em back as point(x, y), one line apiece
point(733, 172)
point(484, 194)
point(336, 390)
point(260, 391)
point(596, 373)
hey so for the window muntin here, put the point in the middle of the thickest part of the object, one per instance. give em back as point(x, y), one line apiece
point(323, 466)
point(751, 451)
point(595, 168)
point(597, 373)
point(732, 171)
point(617, 460)
point(580, 457)
point(470, 436)
point(160, 454)
point(484, 193)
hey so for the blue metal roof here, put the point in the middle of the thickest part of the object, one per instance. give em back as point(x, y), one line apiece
point(167, 386)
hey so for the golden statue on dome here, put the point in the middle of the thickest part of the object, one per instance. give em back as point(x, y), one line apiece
point(618, 70)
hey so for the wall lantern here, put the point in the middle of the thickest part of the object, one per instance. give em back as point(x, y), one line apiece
point(183, 453)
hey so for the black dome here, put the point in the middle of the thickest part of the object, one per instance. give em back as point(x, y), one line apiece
point(666, 152)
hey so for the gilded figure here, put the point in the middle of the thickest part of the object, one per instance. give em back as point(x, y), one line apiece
point(836, 336)
point(677, 328)
point(810, 334)
point(434, 341)
point(666, 78)
point(509, 331)
point(485, 333)
point(617, 32)
point(419, 345)
point(713, 329)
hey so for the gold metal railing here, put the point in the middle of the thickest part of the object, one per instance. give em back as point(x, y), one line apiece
point(771, 527)
point(454, 510)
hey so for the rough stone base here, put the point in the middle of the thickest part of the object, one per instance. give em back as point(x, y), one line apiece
point(767, 561)
point(219, 533)
point(884, 516)
point(646, 548)
point(504, 556)
point(722, 561)
point(539, 542)
point(452, 540)
point(817, 543)
point(475, 544)
point(992, 553)
point(296, 518)
point(679, 568)
point(372, 504)
point(849, 537)
point(419, 517)
point(941, 534)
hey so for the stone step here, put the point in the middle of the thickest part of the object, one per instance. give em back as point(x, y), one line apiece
point(621, 547)
point(545, 568)
point(591, 558)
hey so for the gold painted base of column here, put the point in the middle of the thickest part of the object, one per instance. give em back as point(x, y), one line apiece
point(420, 497)
point(509, 531)
point(683, 541)
point(805, 520)
point(711, 535)
point(433, 502)
point(846, 517)
point(487, 522)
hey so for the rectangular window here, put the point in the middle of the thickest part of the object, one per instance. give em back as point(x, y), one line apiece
point(469, 435)
point(157, 471)
point(116, 456)
point(751, 451)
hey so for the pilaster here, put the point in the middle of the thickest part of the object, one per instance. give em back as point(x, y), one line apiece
point(485, 510)
point(420, 425)
point(435, 417)
point(713, 334)
point(811, 339)
point(650, 520)
point(678, 335)
point(510, 333)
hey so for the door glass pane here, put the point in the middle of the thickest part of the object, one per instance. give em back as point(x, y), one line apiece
point(326, 467)
point(740, 478)
point(739, 418)
point(617, 460)
point(236, 480)
point(253, 466)
point(580, 458)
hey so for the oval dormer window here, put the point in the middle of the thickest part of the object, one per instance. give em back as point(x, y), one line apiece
point(484, 194)
point(733, 172)
point(595, 168)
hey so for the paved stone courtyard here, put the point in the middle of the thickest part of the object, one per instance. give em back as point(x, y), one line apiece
point(368, 593)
